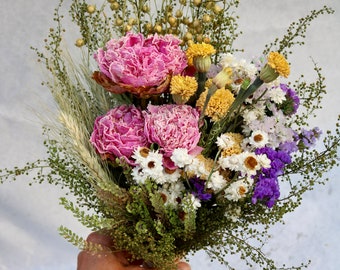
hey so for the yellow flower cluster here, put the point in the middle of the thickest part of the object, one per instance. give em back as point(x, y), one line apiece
point(199, 50)
point(182, 88)
point(279, 63)
point(218, 104)
point(235, 148)
point(276, 66)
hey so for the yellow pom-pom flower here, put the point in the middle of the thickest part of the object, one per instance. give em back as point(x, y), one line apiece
point(199, 54)
point(218, 104)
point(182, 88)
point(277, 65)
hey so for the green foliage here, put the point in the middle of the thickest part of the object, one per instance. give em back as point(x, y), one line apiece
point(137, 217)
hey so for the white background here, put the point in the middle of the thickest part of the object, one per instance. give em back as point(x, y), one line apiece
point(30, 216)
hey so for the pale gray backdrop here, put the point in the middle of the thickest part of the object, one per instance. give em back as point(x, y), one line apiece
point(29, 216)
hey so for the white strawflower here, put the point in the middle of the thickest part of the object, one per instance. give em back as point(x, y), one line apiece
point(224, 141)
point(232, 162)
point(264, 161)
point(181, 157)
point(216, 181)
point(171, 176)
point(190, 202)
point(236, 190)
point(249, 164)
point(277, 95)
point(172, 193)
point(258, 138)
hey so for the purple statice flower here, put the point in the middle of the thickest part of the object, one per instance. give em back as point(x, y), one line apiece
point(288, 147)
point(199, 189)
point(307, 138)
point(292, 102)
point(267, 187)
point(266, 190)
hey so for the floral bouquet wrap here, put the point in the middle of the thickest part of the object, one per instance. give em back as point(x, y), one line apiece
point(167, 140)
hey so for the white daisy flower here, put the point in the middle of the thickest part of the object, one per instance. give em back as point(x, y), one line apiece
point(236, 190)
point(249, 164)
point(258, 138)
point(172, 193)
point(138, 175)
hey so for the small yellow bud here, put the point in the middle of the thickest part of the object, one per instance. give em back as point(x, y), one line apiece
point(148, 27)
point(127, 27)
point(91, 9)
point(186, 21)
point(179, 13)
point(188, 36)
point(158, 28)
point(131, 21)
point(199, 38)
point(197, 2)
point(119, 22)
point(217, 9)
point(80, 42)
point(206, 18)
point(196, 23)
point(172, 21)
point(114, 6)
point(146, 9)
point(207, 40)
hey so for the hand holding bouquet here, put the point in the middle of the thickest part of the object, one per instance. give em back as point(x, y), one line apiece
point(171, 141)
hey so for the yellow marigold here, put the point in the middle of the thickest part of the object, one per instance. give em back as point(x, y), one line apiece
point(199, 50)
point(182, 88)
point(218, 104)
point(277, 65)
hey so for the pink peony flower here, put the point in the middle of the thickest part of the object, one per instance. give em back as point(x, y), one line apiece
point(141, 62)
point(172, 126)
point(119, 132)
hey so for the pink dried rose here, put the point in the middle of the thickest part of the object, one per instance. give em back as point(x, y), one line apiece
point(171, 127)
point(139, 65)
point(119, 132)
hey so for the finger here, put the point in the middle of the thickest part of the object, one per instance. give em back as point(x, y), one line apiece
point(97, 261)
point(183, 266)
point(100, 238)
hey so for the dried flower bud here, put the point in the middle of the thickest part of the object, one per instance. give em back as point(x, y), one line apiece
point(146, 9)
point(197, 2)
point(217, 9)
point(131, 21)
point(187, 36)
point(179, 13)
point(114, 6)
point(206, 18)
point(80, 42)
point(91, 9)
point(158, 28)
point(172, 21)
point(119, 22)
